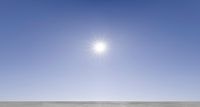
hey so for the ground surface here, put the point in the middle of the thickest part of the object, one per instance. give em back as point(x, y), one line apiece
point(99, 104)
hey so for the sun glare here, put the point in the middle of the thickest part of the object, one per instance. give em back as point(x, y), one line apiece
point(99, 47)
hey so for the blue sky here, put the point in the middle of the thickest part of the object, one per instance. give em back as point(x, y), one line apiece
point(153, 54)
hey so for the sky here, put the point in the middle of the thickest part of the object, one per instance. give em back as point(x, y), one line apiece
point(153, 50)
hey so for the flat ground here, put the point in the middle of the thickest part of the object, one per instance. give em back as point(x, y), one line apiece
point(99, 104)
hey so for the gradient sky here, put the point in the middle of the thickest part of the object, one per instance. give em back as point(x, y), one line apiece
point(153, 55)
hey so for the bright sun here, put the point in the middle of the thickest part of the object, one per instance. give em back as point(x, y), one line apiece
point(99, 47)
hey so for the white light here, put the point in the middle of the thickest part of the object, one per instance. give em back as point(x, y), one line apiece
point(99, 47)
